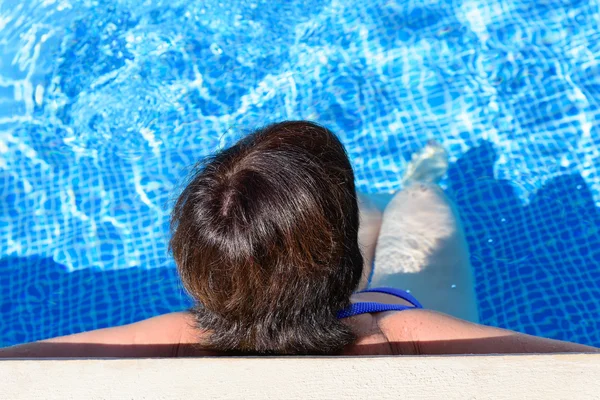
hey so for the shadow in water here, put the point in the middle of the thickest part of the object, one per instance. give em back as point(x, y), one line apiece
point(536, 265)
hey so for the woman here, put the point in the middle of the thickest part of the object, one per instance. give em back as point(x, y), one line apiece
point(266, 241)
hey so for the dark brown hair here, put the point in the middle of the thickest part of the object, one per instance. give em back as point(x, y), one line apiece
point(265, 237)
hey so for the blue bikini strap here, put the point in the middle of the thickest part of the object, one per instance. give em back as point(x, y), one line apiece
point(372, 307)
point(395, 292)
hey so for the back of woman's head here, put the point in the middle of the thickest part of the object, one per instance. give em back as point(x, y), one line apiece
point(265, 240)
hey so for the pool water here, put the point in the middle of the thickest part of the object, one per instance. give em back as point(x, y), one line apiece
point(104, 108)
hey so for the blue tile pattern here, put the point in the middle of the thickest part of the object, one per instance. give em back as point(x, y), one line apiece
point(104, 106)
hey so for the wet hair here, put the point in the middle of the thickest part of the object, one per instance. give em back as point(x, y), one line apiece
point(265, 237)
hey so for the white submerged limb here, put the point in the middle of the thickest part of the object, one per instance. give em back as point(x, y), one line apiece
point(421, 246)
point(370, 223)
point(426, 166)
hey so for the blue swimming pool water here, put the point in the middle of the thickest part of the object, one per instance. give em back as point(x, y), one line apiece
point(105, 104)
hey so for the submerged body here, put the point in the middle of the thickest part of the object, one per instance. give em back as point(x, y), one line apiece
point(421, 246)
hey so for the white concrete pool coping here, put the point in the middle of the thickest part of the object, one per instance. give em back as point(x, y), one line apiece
point(549, 376)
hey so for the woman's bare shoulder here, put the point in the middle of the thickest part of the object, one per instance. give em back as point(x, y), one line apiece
point(165, 335)
point(421, 331)
point(173, 327)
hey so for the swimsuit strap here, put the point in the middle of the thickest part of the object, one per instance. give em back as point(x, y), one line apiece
point(395, 292)
point(372, 307)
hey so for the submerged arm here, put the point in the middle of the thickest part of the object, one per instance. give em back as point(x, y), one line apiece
point(368, 231)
